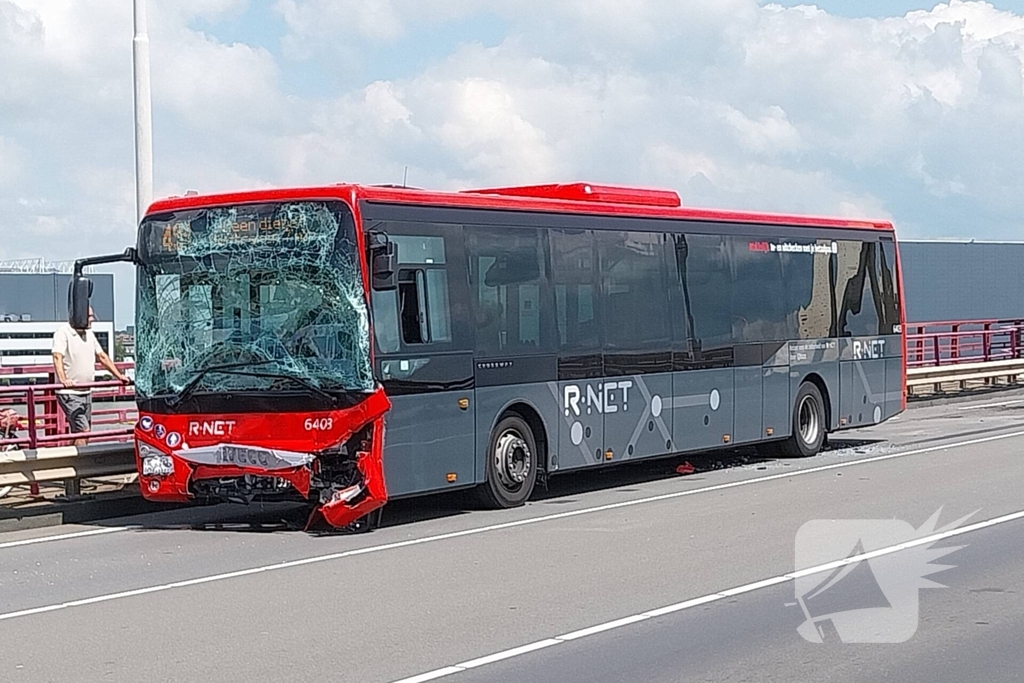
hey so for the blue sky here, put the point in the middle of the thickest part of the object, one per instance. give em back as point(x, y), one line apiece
point(855, 108)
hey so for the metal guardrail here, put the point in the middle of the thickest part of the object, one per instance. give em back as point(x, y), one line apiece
point(938, 376)
point(964, 341)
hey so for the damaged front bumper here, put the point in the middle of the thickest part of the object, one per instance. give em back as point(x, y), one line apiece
point(342, 484)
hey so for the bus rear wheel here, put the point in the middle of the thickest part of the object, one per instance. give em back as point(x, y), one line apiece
point(512, 462)
point(808, 434)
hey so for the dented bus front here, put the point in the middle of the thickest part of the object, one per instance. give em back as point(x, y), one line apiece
point(254, 375)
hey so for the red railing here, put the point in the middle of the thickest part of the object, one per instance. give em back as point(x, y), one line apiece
point(963, 341)
point(43, 422)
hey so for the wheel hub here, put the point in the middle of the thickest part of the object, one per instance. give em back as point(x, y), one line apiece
point(513, 460)
point(810, 426)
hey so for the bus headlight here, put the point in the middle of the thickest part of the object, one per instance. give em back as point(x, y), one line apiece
point(155, 463)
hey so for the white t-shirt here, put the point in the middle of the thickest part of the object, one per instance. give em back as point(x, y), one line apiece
point(79, 356)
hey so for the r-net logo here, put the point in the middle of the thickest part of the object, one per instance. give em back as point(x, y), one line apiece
point(871, 596)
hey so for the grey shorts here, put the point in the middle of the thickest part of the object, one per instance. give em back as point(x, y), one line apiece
point(78, 410)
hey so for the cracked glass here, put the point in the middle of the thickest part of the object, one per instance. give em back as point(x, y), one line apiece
point(252, 297)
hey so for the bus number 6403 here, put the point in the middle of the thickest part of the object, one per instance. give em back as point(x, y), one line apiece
point(318, 424)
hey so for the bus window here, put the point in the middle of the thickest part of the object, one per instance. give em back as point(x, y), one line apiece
point(634, 294)
point(419, 312)
point(858, 290)
point(423, 305)
point(507, 280)
point(707, 285)
point(889, 279)
point(385, 321)
point(758, 298)
point(810, 306)
point(574, 275)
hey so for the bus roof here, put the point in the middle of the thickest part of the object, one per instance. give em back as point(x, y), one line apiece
point(576, 198)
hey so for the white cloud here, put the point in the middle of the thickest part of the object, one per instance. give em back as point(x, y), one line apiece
point(12, 164)
point(732, 103)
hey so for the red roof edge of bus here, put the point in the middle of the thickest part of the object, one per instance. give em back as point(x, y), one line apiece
point(589, 192)
point(510, 199)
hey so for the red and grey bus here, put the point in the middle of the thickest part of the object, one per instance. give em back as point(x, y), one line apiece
point(348, 344)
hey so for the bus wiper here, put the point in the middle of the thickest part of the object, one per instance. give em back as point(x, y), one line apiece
point(298, 380)
point(190, 387)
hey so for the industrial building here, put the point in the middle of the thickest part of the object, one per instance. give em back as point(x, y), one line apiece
point(947, 280)
point(33, 305)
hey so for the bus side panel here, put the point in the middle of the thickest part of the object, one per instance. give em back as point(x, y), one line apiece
point(894, 386)
point(848, 391)
point(869, 377)
point(702, 408)
point(491, 404)
point(637, 422)
point(777, 409)
point(867, 399)
point(427, 436)
point(581, 429)
point(749, 399)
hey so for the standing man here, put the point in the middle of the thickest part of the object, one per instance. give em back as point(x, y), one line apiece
point(75, 353)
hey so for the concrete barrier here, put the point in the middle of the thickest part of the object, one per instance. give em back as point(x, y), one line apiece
point(69, 464)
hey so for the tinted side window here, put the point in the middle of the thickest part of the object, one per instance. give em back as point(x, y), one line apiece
point(385, 321)
point(808, 281)
point(758, 298)
point(857, 289)
point(422, 313)
point(508, 283)
point(635, 305)
point(575, 278)
point(704, 271)
point(889, 277)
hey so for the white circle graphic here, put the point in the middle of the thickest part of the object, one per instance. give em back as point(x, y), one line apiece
point(715, 399)
point(878, 413)
point(576, 433)
point(656, 406)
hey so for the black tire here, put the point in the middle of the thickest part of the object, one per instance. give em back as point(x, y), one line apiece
point(511, 464)
point(809, 424)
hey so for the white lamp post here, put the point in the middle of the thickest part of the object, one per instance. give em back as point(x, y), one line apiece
point(143, 114)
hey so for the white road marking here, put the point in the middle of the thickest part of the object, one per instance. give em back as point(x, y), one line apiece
point(991, 405)
point(713, 597)
point(289, 564)
point(64, 537)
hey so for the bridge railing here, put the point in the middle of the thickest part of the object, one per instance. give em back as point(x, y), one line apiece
point(44, 422)
point(34, 447)
point(35, 401)
point(965, 341)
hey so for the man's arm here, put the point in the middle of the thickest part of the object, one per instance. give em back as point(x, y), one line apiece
point(105, 361)
point(58, 369)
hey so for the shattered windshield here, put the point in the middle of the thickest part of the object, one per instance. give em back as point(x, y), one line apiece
point(274, 291)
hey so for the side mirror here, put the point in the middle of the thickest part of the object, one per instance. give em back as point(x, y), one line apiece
point(385, 277)
point(383, 263)
point(78, 301)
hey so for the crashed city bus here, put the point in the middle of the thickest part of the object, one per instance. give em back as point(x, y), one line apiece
point(501, 336)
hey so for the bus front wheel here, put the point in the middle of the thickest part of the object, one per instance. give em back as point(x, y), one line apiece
point(808, 434)
point(512, 461)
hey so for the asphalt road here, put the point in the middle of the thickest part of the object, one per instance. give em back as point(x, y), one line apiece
point(210, 595)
